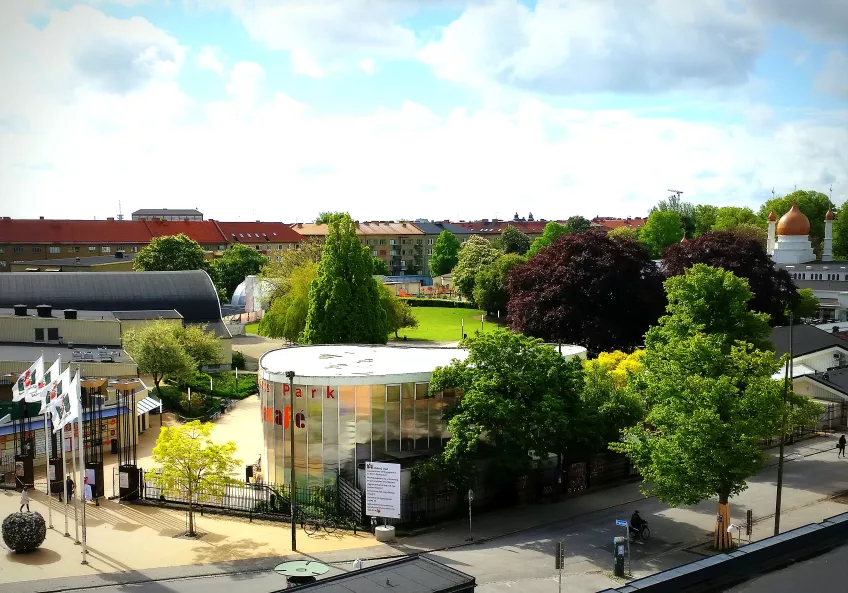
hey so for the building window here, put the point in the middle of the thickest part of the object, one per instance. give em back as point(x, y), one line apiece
point(429, 241)
point(73, 249)
point(36, 249)
point(269, 257)
point(39, 334)
point(92, 249)
point(429, 252)
point(279, 259)
point(17, 249)
point(106, 249)
point(391, 241)
point(2, 264)
point(374, 253)
point(279, 247)
point(419, 241)
point(53, 334)
point(221, 247)
point(53, 249)
point(383, 252)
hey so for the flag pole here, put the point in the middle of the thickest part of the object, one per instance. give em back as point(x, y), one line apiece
point(77, 489)
point(47, 457)
point(81, 440)
point(64, 486)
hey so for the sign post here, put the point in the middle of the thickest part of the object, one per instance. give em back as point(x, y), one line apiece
point(470, 500)
point(560, 562)
point(382, 490)
point(623, 523)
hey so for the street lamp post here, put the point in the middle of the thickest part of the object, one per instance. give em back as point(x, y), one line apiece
point(293, 499)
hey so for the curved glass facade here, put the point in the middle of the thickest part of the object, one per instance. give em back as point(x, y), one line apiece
point(337, 427)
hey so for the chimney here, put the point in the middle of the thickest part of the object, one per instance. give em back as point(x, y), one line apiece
point(40, 218)
point(70, 313)
point(110, 218)
point(300, 225)
point(44, 310)
point(20, 310)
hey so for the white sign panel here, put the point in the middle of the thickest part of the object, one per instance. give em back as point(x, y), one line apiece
point(51, 472)
point(123, 480)
point(382, 490)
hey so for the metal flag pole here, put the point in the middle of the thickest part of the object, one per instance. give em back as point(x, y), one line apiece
point(81, 440)
point(64, 486)
point(290, 375)
point(47, 457)
point(77, 489)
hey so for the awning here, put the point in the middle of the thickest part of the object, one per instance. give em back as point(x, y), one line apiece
point(828, 302)
point(147, 404)
point(37, 423)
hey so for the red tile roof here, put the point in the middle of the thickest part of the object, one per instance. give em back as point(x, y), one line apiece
point(255, 232)
point(487, 227)
point(205, 232)
point(614, 223)
point(73, 231)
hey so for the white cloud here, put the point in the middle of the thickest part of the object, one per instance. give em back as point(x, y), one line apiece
point(368, 66)
point(833, 78)
point(207, 59)
point(245, 82)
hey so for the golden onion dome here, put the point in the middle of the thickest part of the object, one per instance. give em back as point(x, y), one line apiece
point(793, 223)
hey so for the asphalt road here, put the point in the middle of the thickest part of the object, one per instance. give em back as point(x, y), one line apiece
point(525, 561)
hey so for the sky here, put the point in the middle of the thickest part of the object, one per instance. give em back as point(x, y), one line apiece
point(403, 109)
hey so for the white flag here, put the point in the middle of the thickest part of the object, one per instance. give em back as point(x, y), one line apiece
point(69, 406)
point(27, 383)
point(51, 393)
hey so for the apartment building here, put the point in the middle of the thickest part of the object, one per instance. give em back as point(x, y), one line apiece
point(491, 229)
point(167, 214)
point(609, 223)
point(40, 240)
point(432, 230)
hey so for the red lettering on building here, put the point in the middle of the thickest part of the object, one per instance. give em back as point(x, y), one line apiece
point(298, 392)
point(300, 420)
point(285, 388)
point(313, 393)
point(330, 393)
point(283, 417)
point(278, 418)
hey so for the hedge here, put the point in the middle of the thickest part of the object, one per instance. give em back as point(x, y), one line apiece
point(421, 302)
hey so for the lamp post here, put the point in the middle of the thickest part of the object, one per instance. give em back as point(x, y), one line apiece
point(293, 499)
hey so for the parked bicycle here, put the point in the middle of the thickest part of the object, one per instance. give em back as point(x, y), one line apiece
point(312, 525)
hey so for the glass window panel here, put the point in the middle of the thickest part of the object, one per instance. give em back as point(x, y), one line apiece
point(284, 403)
point(393, 418)
point(363, 427)
point(277, 451)
point(378, 422)
point(422, 418)
point(449, 400)
point(300, 443)
point(268, 430)
point(330, 435)
point(314, 430)
point(434, 426)
point(347, 432)
point(407, 417)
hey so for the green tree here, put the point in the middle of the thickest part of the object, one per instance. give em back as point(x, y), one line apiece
point(751, 231)
point(192, 465)
point(445, 254)
point(287, 316)
point(609, 406)
point(490, 286)
point(170, 253)
point(686, 211)
point(237, 263)
point(813, 204)
point(520, 398)
point(399, 314)
point(381, 268)
point(344, 299)
point(704, 217)
point(625, 232)
point(577, 224)
point(202, 345)
point(663, 228)
point(553, 231)
point(277, 274)
point(512, 240)
point(710, 394)
point(475, 254)
point(840, 233)
point(325, 217)
point(728, 217)
point(808, 303)
point(158, 353)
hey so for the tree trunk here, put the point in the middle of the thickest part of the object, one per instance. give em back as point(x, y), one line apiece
point(190, 513)
point(723, 538)
point(156, 383)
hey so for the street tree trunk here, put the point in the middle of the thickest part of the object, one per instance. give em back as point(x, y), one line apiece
point(723, 539)
point(190, 514)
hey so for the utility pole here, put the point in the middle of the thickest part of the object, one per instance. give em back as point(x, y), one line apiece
point(293, 501)
point(786, 381)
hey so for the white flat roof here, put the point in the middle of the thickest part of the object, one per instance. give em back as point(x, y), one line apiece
point(568, 350)
point(355, 364)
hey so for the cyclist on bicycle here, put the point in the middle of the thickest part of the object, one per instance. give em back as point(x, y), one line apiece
point(636, 522)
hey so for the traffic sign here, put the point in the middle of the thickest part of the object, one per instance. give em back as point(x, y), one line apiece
point(621, 523)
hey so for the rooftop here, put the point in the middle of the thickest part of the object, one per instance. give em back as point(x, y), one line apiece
point(167, 212)
point(59, 314)
point(30, 352)
point(97, 260)
point(435, 227)
point(614, 223)
point(486, 226)
point(257, 232)
point(806, 340)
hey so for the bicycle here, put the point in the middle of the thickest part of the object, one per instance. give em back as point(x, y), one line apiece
point(312, 525)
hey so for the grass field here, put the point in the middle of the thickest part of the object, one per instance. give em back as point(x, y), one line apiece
point(252, 327)
point(443, 324)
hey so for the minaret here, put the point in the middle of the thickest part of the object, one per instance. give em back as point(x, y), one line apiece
point(827, 247)
point(772, 224)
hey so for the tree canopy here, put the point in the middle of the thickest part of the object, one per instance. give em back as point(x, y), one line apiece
point(685, 210)
point(577, 224)
point(807, 304)
point(157, 352)
point(512, 240)
point(276, 274)
point(344, 298)
point(399, 314)
point(588, 288)
point(704, 217)
point(840, 233)
point(728, 217)
point(236, 263)
point(381, 268)
point(191, 465)
point(625, 232)
point(475, 254)
point(553, 231)
point(287, 316)
point(445, 254)
point(170, 253)
point(773, 288)
point(710, 393)
point(813, 204)
point(490, 287)
point(202, 345)
point(751, 231)
point(663, 228)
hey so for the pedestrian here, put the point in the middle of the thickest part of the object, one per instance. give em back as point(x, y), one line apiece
point(841, 446)
point(24, 500)
point(69, 489)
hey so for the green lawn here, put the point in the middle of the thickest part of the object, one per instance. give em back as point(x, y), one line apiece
point(252, 327)
point(443, 324)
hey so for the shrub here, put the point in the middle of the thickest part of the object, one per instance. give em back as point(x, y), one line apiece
point(419, 302)
point(238, 360)
point(24, 532)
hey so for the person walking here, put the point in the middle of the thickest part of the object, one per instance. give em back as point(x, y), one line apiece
point(841, 446)
point(24, 500)
point(69, 489)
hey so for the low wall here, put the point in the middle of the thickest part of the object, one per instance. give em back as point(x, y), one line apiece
point(716, 573)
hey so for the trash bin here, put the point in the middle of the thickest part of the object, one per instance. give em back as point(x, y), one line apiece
point(114, 446)
point(619, 547)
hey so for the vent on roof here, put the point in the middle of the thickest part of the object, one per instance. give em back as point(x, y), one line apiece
point(44, 310)
point(20, 310)
point(70, 313)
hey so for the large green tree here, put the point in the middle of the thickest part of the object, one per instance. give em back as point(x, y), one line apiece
point(685, 210)
point(813, 204)
point(728, 217)
point(344, 299)
point(807, 305)
point(381, 268)
point(663, 228)
point(277, 274)
point(399, 314)
point(553, 231)
point(475, 254)
point(840, 232)
point(704, 217)
point(490, 286)
point(512, 240)
point(709, 388)
point(520, 398)
point(201, 344)
point(236, 263)
point(157, 352)
point(286, 317)
point(170, 253)
point(578, 224)
point(445, 254)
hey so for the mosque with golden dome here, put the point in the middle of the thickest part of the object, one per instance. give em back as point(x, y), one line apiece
point(789, 238)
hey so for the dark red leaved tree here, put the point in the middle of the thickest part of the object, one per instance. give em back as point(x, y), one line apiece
point(773, 288)
point(589, 289)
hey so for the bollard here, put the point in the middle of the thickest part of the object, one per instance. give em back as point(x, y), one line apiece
point(618, 557)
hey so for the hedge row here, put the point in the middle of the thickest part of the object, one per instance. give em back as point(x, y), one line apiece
point(420, 302)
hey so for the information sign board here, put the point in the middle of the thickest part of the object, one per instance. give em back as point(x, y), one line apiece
point(382, 490)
